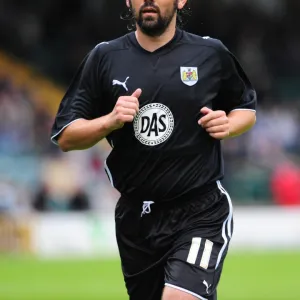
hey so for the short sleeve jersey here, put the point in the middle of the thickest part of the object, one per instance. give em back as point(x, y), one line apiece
point(163, 153)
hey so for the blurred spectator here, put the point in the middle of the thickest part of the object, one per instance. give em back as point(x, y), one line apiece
point(79, 202)
point(22, 126)
point(285, 184)
point(44, 202)
point(40, 200)
point(8, 198)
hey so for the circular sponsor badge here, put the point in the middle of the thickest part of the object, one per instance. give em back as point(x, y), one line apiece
point(153, 124)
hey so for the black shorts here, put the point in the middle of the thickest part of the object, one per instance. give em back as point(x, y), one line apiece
point(179, 244)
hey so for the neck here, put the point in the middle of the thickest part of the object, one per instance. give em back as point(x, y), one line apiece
point(150, 43)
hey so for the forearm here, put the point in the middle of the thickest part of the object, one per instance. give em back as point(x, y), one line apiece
point(240, 121)
point(84, 134)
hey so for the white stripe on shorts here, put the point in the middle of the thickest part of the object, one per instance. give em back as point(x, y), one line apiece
point(108, 174)
point(226, 222)
point(186, 291)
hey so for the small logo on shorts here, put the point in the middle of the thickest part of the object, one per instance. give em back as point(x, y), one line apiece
point(153, 124)
point(207, 286)
point(147, 207)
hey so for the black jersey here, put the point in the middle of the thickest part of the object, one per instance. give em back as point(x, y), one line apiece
point(163, 153)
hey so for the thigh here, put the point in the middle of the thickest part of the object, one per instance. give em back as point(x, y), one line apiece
point(148, 285)
point(142, 262)
point(196, 265)
point(190, 280)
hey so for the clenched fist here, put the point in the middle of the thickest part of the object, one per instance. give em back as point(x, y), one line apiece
point(125, 110)
point(216, 123)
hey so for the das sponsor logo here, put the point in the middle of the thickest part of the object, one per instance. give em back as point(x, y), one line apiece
point(154, 124)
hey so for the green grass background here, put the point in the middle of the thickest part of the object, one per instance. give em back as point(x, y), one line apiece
point(246, 276)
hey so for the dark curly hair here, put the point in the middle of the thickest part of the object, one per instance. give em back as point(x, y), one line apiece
point(182, 16)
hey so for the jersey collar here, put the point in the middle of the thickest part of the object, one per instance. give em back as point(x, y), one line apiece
point(178, 35)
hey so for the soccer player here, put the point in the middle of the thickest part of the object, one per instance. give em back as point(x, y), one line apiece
point(164, 99)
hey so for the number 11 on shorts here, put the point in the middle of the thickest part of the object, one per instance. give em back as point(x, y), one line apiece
point(194, 251)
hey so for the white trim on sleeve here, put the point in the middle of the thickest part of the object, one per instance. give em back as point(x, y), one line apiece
point(244, 109)
point(54, 136)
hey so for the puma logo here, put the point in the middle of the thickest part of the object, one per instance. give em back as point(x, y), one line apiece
point(207, 286)
point(117, 82)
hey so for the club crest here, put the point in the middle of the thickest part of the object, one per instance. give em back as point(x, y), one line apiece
point(189, 75)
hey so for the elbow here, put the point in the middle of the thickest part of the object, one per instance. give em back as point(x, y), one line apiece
point(251, 123)
point(64, 149)
point(63, 145)
point(253, 120)
point(67, 145)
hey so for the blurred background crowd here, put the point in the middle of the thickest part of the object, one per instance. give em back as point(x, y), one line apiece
point(43, 42)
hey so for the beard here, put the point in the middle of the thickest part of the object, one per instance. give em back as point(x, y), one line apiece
point(157, 25)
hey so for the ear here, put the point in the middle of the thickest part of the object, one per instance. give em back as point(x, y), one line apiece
point(128, 3)
point(181, 4)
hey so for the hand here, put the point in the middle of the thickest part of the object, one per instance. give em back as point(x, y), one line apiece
point(216, 123)
point(125, 110)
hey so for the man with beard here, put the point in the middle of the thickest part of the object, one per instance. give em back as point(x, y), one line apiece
point(164, 99)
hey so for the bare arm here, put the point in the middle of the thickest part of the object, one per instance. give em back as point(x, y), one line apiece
point(221, 126)
point(84, 134)
point(240, 121)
